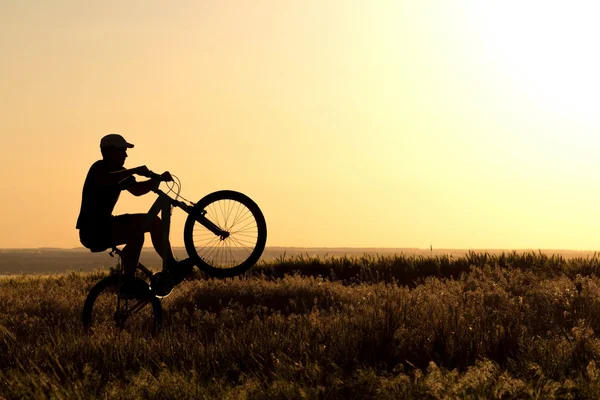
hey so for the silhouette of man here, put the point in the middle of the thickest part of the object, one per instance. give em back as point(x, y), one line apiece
point(99, 229)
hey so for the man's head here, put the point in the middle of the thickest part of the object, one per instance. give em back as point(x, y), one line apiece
point(114, 149)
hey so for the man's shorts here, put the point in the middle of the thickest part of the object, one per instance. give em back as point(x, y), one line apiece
point(99, 238)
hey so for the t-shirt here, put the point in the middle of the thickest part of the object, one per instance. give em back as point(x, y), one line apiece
point(98, 201)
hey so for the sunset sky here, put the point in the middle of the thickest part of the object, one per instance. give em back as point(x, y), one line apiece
point(352, 123)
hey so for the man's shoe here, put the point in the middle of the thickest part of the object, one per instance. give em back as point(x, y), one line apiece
point(179, 270)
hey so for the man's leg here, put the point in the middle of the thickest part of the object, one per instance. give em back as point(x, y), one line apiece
point(133, 238)
point(156, 231)
point(129, 229)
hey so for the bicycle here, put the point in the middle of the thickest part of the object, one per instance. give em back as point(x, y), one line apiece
point(224, 235)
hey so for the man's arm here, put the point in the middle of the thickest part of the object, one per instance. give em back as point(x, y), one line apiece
point(105, 177)
point(143, 187)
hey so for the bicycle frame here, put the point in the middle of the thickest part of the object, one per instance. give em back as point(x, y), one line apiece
point(163, 206)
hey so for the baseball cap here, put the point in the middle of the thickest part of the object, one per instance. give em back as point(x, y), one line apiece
point(114, 140)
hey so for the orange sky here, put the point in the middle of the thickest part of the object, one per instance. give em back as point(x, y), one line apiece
point(392, 124)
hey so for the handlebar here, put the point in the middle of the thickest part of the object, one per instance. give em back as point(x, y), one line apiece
point(159, 178)
point(176, 184)
point(154, 175)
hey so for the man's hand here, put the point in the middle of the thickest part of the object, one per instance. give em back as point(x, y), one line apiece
point(166, 177)
point(141, 188)
point(144, 171)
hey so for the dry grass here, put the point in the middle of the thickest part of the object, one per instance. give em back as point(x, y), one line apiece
point(481, 326)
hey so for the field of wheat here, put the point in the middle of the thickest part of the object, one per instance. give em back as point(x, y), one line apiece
point(480, 326)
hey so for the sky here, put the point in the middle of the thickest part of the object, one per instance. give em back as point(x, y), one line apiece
point(391, 123)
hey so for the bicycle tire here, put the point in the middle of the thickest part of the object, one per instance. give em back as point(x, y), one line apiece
point(110, 285)
point(242, 210)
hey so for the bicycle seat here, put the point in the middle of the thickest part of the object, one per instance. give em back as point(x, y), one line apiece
point(97, 249)
point(113, 250)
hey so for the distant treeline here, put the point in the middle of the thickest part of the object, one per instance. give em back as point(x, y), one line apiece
point(52, 261)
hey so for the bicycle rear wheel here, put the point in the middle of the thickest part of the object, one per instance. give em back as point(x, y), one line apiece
point(103, 309)
point(242, 219)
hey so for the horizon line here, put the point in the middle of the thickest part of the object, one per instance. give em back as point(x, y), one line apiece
point(336, 248)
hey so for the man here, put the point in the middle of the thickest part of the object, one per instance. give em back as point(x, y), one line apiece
point(99, 229)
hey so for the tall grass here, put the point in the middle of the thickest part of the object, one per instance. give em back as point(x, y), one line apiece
point(480, 326)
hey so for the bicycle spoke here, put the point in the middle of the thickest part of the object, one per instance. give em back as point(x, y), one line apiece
point(243, 236)
point(219, 248)
point(244, 247)
point(232, 256)
point(243, 218)
point(222, 208)
point(239, 209)
point(211, 251)
point(208, 246)
point(240, 215)
point(230, 208)
point(225, 214)
point(215, 213)
point(206, 237)
point(244, 243)
point(238, 248)
point(247, 232)
point(251, 223)
point(223, 253)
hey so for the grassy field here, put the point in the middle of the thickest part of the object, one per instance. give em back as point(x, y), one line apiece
point(480, 326)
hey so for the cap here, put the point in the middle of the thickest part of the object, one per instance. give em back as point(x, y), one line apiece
point(114, 140)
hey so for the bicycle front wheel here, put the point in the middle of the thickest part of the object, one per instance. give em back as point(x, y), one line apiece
point(103, 309)
point(237, 251)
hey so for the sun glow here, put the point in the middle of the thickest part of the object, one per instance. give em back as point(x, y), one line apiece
point(549, 49)
point(542, 57)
